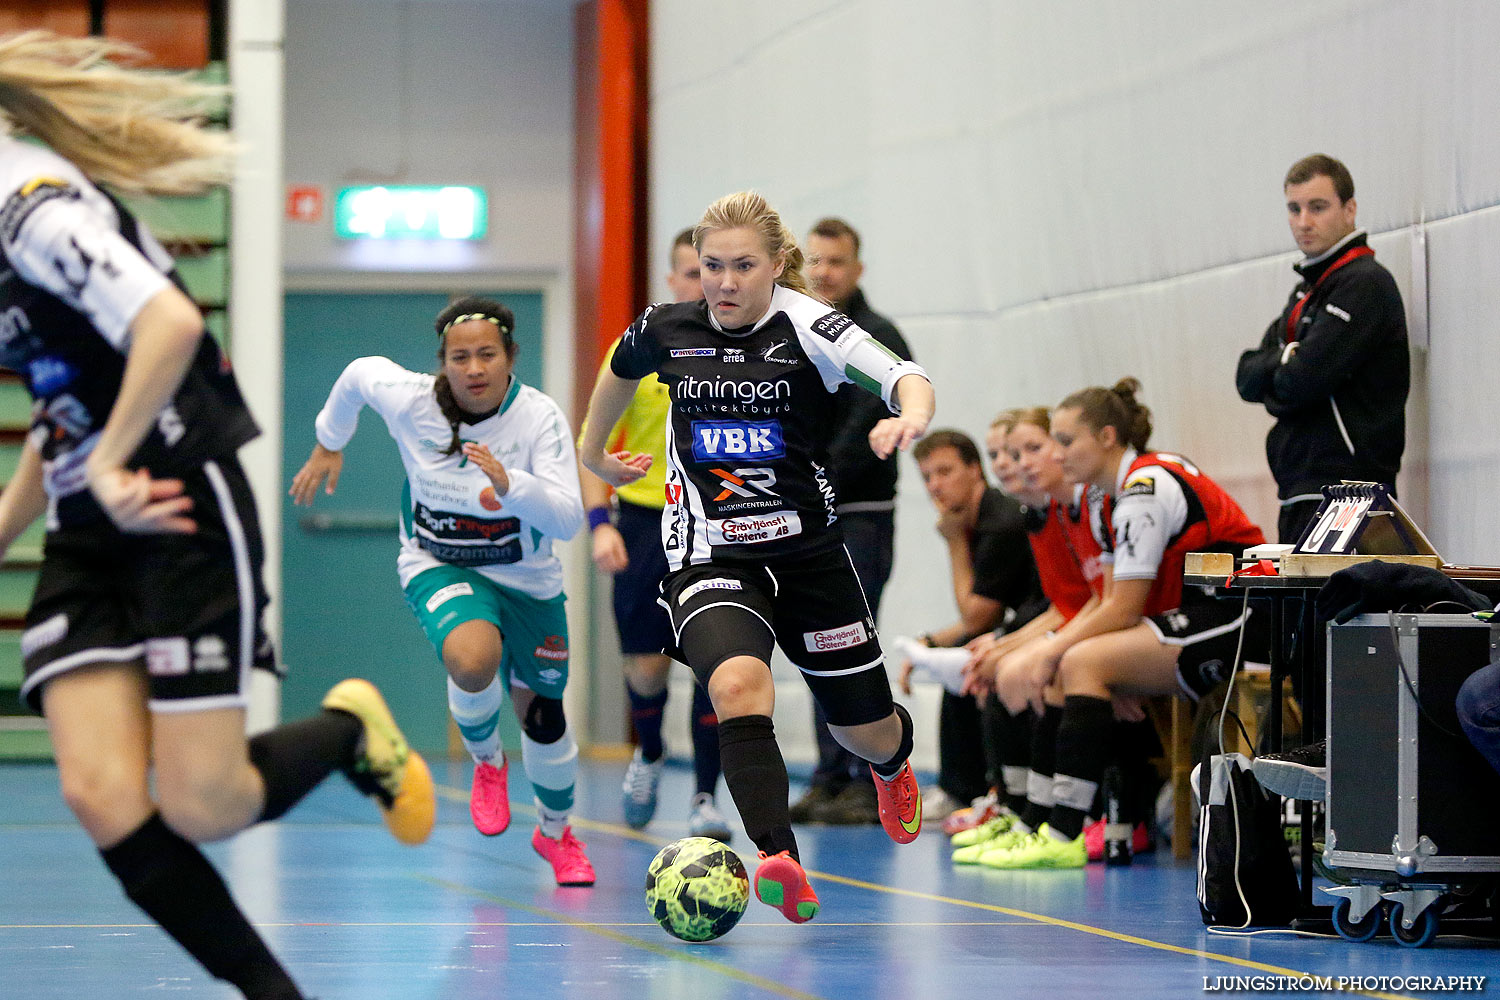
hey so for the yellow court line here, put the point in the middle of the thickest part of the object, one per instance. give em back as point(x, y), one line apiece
point(520, 923)
point(666, 951)
point(621, 831)
point(1089, 929)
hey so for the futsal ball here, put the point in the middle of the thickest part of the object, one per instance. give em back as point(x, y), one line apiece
point(697, 889)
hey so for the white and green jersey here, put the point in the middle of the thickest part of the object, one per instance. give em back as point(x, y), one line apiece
point(451, 514)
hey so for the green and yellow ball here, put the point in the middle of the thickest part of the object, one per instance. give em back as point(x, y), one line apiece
point(697, 889)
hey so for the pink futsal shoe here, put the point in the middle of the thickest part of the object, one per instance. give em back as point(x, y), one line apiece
point(489, 805)
point(565, 854)
point(781, 882)
point(1093, 840)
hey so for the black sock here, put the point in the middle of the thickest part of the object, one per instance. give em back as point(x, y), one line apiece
point(960, 757)
point(174, 884)
point(645, 713)
point(1011, 735)
point(294, 757)
point(890, 768)
point(1083, 752)
point(705, 729)
point(1135, 744)
point(755, 772)
point(1039, 778)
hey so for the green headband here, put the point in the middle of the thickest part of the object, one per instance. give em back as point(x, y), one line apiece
point(468, 316)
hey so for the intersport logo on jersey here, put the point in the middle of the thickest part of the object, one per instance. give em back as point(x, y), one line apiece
point(745, 391)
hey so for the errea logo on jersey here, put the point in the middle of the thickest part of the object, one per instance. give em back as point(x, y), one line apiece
point(721, 440)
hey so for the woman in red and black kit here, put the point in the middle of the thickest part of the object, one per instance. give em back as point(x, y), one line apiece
point(1149, 635)
point(1072, 578)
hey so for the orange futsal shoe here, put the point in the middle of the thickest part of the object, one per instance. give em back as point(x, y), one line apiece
point(900, 804)
point(781, 882)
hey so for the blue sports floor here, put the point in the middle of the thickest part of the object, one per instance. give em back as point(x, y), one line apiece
point(355, 915)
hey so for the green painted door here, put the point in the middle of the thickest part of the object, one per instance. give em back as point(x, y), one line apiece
point(342, 610)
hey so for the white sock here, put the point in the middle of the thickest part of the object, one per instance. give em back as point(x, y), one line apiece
point(551, 821)
point(552, 769)
point(478, 716)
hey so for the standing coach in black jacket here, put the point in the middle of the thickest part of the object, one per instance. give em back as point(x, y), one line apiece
point(1333, 368)
point(841, 791)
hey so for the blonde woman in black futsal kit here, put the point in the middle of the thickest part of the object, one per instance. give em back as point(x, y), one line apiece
point(753, 545)
point(145, 624)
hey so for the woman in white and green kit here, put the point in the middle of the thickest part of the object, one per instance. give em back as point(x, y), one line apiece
point(491, 482)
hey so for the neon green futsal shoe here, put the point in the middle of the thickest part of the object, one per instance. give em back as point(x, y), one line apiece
point(974, 853)
point(1039, 850)
point(988, 830)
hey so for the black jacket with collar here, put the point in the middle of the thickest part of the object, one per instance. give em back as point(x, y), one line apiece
point(858, 475)
point(1340, 399)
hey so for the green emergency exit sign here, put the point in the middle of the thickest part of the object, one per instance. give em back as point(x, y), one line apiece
point(410, 212)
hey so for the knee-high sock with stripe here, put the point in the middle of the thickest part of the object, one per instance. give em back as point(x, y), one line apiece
point(552, 769)
point(1039, 771)
point(477, 714)
point(1083, 752)
point(1008, 744)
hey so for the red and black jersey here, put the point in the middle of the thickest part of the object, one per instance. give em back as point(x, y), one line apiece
point(1067, 557)
point(1162, 508)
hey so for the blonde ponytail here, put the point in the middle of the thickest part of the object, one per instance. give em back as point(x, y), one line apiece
point(132, 129)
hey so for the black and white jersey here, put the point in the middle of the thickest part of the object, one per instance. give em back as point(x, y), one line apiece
point(752, 411)
point(75, 270)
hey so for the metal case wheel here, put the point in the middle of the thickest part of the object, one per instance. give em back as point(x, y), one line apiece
point(1421, 932)
point(1357, 931)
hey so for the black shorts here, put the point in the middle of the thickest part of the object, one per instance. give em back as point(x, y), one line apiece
point(811, 605)
point(639, 616)
point(189, 606)
point(1208, 631)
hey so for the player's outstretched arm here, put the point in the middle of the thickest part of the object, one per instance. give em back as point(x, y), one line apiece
point(918, 402)
point(322, 464)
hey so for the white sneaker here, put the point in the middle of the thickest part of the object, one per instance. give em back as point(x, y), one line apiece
point(705, 820)
point(937, 804)
point(638, 793)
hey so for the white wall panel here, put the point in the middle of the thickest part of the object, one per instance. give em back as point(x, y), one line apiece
point(1054, 195)
point(443, 92)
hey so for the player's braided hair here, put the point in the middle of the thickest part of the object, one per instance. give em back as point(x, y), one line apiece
point(749, 210)
point(132, 129)
point(461, 311)
point(1114, 407)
